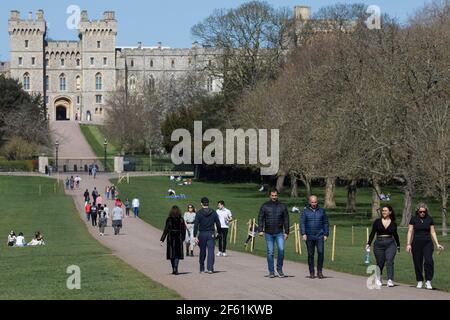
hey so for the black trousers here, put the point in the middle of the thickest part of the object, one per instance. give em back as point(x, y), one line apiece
point(223, 240)
point(385, 251)
point(94, 220)
point(422, 252)
point(206, 241)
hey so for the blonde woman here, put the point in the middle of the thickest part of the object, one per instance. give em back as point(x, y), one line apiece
point(189, 218)
point(421, 234)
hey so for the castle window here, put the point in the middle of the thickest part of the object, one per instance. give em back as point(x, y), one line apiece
point(101, 110)
point(96, 111)
point(173, 63)
point(132, 63)
point(26, 81)
point(98, 82)
point(63, 62)
point(99, 98)
point(209, 84)
point(46, 83)
point(78, 99)
point(151, 63)
point(20, 61)
point(78, 62)
point(78, 82)
point(105, 61)
point(92, 61)
point(26, 43)
point(33, 61)
point(62, 82)
point(189, 61)
point(151, 83)
point(99, 44)
point(132, 83)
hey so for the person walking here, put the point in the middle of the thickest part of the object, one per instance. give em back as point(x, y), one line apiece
point(113, 192)
point(315, 230)
point(94, 211)
point(127, 207)
point(117, 216)
point(204, 234)
point(87, 196)
point(225, 217)
point(107, 192)
point(87, 209)
point(189, 218)
point(102, 222)
point(94, 171)
point(273, 222)
point(94, 196)
point(175, 232)
point(386, 245)
point(72, 183)
point(421, 234)
point(77, 182)
point(135, 204)
point(99, 201)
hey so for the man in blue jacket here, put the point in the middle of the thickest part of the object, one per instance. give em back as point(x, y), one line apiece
point(315, 230)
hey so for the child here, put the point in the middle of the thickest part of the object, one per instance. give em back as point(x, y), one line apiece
point(11, 239)
point(102, 224)
point(20, 241)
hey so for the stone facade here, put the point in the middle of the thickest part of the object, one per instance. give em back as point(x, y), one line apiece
point(76, 78)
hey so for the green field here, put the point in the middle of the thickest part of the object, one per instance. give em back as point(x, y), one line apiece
point(40, 272)
point(244, 201)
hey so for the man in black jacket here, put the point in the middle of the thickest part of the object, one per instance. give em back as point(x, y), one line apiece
point(273, 221)
point(205, 220)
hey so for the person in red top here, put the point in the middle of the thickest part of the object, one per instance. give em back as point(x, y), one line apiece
point(88, 211)
point(118, 202)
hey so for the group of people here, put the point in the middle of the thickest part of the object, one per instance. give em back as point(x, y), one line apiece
point(72, 183)
point(19, 241)
point(200, 228)
point(205, 226)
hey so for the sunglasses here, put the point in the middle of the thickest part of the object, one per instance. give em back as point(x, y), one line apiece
point(422, 211)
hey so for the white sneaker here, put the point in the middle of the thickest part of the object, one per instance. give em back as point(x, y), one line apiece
point(419, 285)
point(390, 283)
point(224, 254)
point(219, 254)
point(428, 285)
point(378, 283)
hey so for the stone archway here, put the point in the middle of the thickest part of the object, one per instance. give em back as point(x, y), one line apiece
point(63, 109)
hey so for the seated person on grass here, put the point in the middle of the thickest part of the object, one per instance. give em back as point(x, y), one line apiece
point(38, 240)
point(11, 239)
point(20, 241)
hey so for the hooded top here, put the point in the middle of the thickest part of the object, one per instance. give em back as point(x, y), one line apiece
point(205, 219)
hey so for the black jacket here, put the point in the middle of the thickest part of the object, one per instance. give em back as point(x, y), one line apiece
point(205, 219)
point(273, 218)
point(175, 231)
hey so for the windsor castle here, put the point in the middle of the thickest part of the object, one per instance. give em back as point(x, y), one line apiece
point(76, 78)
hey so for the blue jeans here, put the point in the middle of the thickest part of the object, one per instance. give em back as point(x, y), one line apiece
point(206, 241)
point(270, 241)
point(136, 212)
point(311, 245)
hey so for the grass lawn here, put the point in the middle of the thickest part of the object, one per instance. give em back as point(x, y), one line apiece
point(244, 201)
point(40, 272)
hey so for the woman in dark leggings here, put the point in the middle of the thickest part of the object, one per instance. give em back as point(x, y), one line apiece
point(421, 247)
point(387, 243)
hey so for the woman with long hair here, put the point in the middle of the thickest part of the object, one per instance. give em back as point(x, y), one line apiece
point(189, 218)
point(175, 232)
point(422, 228)
point(386, 244)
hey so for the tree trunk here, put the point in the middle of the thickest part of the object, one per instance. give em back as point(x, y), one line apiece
point(330, 190)
point(376, 203)
point(407, 205)
point(351, 197)
point(294, 186)
point(444, 201)
point(280, 182)
point(307, 182)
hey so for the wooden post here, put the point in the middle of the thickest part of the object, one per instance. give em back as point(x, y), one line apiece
point(367, 234)
point(353, 236)
point(296, 238)
point(40, 190)
point(235, 231)
point(299, 236)
point(253, 238)
point(128, 178)
point(333, 251)
point(248, 232)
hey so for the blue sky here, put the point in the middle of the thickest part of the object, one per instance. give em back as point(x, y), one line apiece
point(150, 21)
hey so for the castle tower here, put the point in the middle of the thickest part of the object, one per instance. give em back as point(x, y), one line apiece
point(27, 42)
point(98, 48)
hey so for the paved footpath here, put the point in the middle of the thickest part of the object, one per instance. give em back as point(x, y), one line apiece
point(239, 276)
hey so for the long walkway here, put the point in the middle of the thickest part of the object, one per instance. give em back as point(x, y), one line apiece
point(239, 276)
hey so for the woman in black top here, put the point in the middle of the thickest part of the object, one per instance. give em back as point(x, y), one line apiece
point(387, 243)
point(421, 247)
point(175, 231)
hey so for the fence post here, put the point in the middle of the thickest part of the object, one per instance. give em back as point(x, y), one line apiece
point(367, 234)
point(235, 231)
point(299, 239)
point(40, 190)
point(253, 238)
point(333, 251)
point(296, 238)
